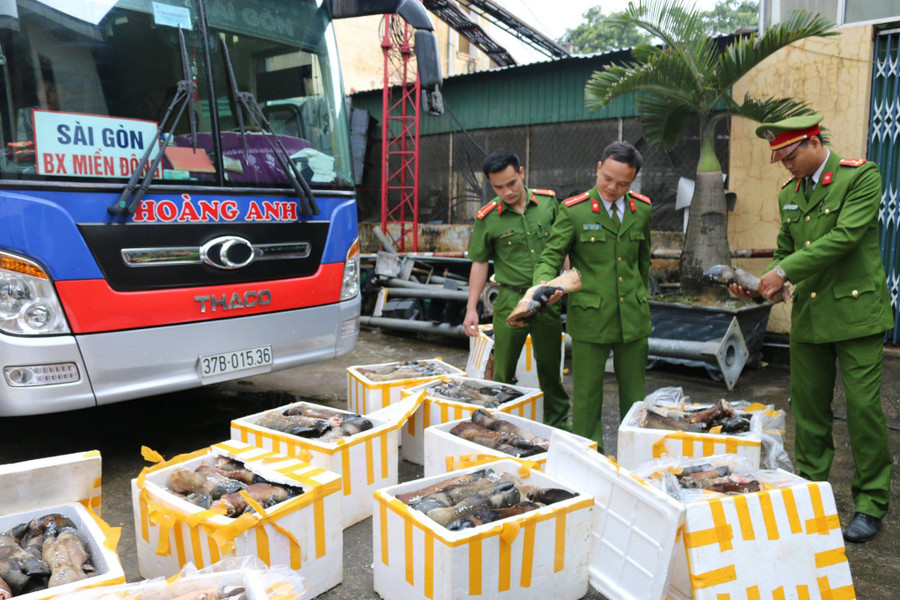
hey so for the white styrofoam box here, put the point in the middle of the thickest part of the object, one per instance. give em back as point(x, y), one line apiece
point(482, 345)
point(783, 542)
point(434, 410)
point(55, 480)
point(365, 395)
point(366, 461)
point(637, 445)
point(68, 485)
point(101, 546)
point(443, 450)
point(303, 532)
point(536, 555)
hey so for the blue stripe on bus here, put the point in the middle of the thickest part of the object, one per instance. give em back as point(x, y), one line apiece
point(42, 225)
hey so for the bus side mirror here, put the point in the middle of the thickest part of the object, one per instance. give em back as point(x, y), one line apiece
point(428, 60)
point(9, 15)
point(412, 11)
point(427, 56)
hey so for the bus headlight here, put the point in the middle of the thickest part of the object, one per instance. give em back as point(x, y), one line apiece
point(28, 302)
point(350, 285)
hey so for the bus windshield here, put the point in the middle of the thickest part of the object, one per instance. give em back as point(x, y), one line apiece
point(86, 84)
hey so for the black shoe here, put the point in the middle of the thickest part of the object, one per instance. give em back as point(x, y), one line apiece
point(862, 528)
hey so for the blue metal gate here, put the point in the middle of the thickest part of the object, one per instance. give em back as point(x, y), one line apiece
point(884, 136)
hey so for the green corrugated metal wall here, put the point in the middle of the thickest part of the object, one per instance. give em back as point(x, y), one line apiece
point(549, 92)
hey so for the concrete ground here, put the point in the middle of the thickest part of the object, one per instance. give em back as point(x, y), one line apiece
point(184, 422)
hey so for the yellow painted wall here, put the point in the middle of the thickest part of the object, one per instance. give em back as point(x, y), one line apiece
point(833, 75)
point(362, 59)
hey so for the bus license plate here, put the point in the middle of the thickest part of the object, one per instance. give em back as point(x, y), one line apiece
point(213, 365)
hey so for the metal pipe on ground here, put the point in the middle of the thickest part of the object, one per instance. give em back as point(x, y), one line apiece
point(437, 294)
point(386, 242)
point(414, 326)
point(728, 355)
point(738, 253)
point(415, 285)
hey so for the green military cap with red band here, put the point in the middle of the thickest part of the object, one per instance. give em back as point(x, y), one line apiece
point(785, 135)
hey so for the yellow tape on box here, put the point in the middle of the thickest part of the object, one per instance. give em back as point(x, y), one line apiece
point(303, 532)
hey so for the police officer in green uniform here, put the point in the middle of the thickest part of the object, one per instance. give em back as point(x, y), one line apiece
point(512, 230)
point(606, 234)
point(828, 246)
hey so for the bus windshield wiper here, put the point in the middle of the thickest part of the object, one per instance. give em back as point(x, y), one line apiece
point(247, 100)
point(184, 99)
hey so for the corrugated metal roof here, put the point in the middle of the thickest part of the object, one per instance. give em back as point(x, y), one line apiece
point(543, 92)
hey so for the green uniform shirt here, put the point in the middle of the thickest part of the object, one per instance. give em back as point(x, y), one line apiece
point(514, 240)
point(829, 248)
point(611, 306)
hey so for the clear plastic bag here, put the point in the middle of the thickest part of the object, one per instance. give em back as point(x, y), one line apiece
point(232, 578)
point(663, 474)
point(663, 399)
point(766, 423)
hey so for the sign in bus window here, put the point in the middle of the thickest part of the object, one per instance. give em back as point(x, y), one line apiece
point(80, 145)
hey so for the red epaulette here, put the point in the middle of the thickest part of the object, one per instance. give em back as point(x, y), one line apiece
point(544, 192)
point(641, 197)
point(576, 199)
point(853, 162)
point(485, 210)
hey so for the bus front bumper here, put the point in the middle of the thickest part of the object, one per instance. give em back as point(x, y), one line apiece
point(122, 365)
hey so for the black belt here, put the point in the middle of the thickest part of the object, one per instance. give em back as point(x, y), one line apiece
point(514, 288)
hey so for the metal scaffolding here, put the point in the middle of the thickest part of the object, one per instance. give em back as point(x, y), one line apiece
point(400, 133)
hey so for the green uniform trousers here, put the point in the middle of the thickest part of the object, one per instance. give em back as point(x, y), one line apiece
point(546, 340)
point(588, 366)
point(812, 390)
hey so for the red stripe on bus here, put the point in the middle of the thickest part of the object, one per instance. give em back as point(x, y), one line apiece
point(92, 306)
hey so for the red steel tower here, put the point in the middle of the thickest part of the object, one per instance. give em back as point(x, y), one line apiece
point(400, 133)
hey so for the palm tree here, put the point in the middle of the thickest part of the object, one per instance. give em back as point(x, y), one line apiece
point(688, 76)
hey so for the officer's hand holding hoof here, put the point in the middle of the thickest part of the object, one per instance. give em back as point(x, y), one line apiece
point(538, 297)
point(740, 292)
point(770, 284)
point(556, 297)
